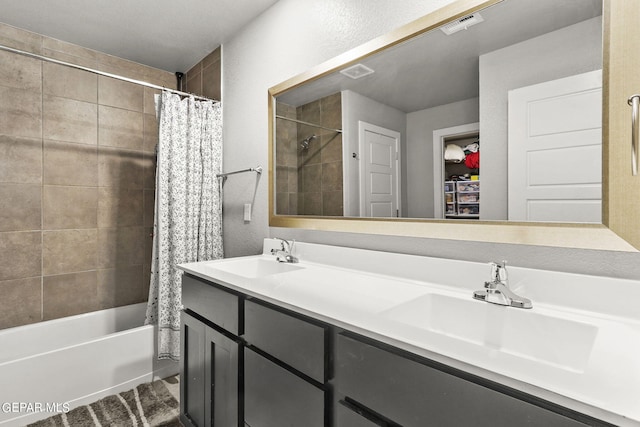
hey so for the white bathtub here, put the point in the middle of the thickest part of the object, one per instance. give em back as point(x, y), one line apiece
point(74, 361)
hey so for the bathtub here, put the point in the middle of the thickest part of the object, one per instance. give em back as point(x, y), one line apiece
point(69, 362)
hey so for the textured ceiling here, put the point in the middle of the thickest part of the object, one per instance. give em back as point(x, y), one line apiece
point(169, 35)
point(436, 69)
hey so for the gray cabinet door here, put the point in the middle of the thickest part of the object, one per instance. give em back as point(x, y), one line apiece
point(209, 376)
point(299, 343)
point(221, 373)
point(347, 416)
point(192, 372)
point(275, 397)
point(414, 394)
point(217, 305)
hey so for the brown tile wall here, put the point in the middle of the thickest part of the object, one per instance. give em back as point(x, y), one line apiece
point(204, 78)
point(309, 182)
point(286, 161)
point(320, 166)
point(77, 164)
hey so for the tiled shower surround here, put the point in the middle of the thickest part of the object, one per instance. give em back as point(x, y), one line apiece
point(309, 181)
point(77, 165)
point(204, 77)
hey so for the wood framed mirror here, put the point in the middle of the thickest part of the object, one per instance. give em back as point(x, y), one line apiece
point(616, 225)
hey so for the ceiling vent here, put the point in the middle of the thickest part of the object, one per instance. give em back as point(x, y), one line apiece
point(461, 24)
point(357, 71)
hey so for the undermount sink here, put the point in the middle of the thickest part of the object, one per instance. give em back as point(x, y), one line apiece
point(255, 267)
point(556, 341)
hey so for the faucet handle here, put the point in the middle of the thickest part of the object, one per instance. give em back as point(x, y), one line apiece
point(283, 242)
point(499, 272)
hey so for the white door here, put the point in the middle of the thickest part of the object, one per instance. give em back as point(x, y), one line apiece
point(379, 171)
point(555, 150)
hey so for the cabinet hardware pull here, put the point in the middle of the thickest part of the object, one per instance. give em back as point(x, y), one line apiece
point(634, 101)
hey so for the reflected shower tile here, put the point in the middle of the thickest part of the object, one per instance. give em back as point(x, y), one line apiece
point(282, 179)
point(293, 179)
point(20, 207)
point(332, 203)
point(293, 203)
point(20, 253)
point(282, 203)
point(331, 147)
point(68, 251)
point(309, 112)
point(332, 176)
point(311, 178)
point(21, 302)
point(69, 120)
point(20, 160)
point(331, 111)
point(312, 203)
point(69, 294)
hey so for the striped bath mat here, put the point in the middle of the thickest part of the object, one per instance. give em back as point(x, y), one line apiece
point(150, 404)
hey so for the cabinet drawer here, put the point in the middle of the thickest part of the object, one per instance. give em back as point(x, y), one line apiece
point(275, 397)
point(296, 342)
point(214, 304)
point(349, 417)
point(413, 394)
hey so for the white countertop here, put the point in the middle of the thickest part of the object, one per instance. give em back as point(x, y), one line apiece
point(579, 346)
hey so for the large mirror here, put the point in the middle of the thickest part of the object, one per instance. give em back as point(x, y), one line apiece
point(483, 113)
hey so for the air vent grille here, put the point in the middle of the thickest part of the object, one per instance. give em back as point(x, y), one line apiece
point(462, 23)
point(357, 71)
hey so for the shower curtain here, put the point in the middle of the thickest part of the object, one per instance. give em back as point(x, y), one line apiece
point(188, 214)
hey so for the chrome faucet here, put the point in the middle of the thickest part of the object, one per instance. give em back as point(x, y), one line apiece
point(284, 254)
point(497, 289)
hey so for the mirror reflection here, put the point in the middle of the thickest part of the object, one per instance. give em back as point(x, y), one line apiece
point(493, 116)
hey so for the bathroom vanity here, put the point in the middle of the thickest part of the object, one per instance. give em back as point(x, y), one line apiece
point(350, 338)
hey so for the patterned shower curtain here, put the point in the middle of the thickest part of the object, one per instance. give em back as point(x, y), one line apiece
point(188, 214)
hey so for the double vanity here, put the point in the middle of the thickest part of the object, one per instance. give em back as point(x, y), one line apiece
point(332, 336)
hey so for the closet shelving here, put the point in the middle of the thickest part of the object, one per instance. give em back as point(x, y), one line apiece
point(461, 196)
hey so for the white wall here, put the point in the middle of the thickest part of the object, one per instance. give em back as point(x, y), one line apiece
point(291, 37)
point(420, 127)
point(355, 108)
point(287, 39)
point(572, 50)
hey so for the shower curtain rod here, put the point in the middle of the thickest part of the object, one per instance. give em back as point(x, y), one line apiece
point(257, 169)
point(103, 73)
point(308, 124)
